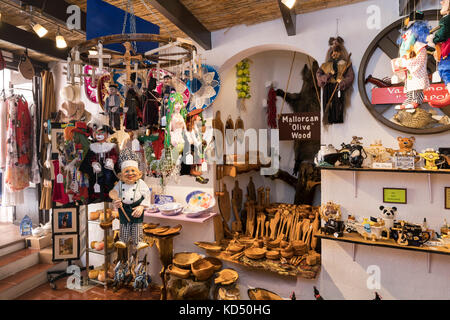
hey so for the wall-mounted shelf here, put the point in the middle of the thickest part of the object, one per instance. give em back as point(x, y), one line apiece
point(356, 239)
point(415, 171)
point(441, 171)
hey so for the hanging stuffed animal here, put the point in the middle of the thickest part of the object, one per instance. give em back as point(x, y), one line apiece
point(413, 58)
point(131, 196)
point(335, 76)
point(441, 40)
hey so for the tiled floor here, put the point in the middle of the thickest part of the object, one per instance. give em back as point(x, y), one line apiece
point(44, 292)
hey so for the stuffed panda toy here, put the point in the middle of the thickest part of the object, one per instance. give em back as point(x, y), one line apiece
point(388, 215)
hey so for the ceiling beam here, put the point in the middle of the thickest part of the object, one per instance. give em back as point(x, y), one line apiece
point(55, 10)
point(180, 16)
point(289, 19)
point(31, 41)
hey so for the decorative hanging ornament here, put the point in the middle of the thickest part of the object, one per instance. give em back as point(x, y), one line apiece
point(243, 81)
point(204, 88)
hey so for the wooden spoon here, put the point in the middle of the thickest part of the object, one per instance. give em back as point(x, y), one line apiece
point(273, 224)
point(305, 229)
point(316, 227)
point(267, 229)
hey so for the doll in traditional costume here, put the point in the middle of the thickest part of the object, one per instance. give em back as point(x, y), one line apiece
point(335, 76)
point(100, 162)
point(441, 40)
point(414, 58)
point(132, 110)
point(176, 122)
point(76, 148)
point(131, 196)
point(112, 106)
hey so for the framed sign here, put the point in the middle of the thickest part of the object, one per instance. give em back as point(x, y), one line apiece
point(447, 198)
point(66, 247)
point(299, 126)
point(395, 195)
point(57, 137)
point(404, 162)
point(65, 220)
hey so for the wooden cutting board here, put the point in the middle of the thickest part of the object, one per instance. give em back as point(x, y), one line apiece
point(225, 203)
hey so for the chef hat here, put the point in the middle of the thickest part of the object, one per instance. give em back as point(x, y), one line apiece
point(128, 158)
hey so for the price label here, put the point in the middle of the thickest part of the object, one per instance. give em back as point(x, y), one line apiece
point(59, 178)
point(204, 166)
point(135, 145)
point(116, 224)
point(97, 188)
point(189, 159)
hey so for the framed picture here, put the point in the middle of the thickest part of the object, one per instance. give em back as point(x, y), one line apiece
point(395, 195)
point(65, 220)
point(447, 198)
point(66, 247)
point(57, 137)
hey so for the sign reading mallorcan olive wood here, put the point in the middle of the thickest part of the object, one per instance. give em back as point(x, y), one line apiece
point(300, 126)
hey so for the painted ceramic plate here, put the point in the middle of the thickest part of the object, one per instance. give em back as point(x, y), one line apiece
point(204, 88)
point(198, 202)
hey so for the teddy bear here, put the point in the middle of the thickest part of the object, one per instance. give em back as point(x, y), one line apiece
point(405, 146)
point(387, 215)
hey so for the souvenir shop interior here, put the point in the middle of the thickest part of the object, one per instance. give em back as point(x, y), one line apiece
point(224, 150)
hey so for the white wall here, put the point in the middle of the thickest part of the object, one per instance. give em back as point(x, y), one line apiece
point(404, 274)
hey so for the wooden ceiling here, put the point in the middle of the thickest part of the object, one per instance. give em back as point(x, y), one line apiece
point(222, 14)
point(212, 14)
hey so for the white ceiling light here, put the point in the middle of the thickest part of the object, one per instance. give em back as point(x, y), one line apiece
point(289, 3)
point(60, 41)
point(40, 30)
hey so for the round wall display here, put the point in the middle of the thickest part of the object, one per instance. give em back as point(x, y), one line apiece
point(381, 95)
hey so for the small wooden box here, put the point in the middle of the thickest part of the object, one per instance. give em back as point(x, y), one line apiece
point(39, 242)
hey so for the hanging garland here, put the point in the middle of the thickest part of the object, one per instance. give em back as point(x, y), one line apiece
point(243, 80)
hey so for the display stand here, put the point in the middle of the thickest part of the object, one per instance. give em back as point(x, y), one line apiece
point(106, 252)
point(165, 250)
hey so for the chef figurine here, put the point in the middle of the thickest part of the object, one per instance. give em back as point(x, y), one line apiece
point(131, 196)
point(112, 105)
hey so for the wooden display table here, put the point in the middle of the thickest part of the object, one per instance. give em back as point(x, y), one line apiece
point(274, 266)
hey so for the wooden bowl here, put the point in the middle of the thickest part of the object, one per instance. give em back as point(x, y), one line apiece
point(217, 263)
point(226, 277)
point(157, 231)
point(93, 274)
point(273, 255)
point(94, 215)
point(228, 294)
point(235, 248)
point(274, 244)
point(150, 225)
point(209, 246)
point(255, 253)
point(105, 225)
point(284, 244)
point(202, 269)
point(287, 254)
point(171, 231)
point(185, 259)
point(300, 248)
point(262, 294)
point(246, 240)
point(178, 272)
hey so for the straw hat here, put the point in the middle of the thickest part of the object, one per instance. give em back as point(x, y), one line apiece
point(71, 93)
